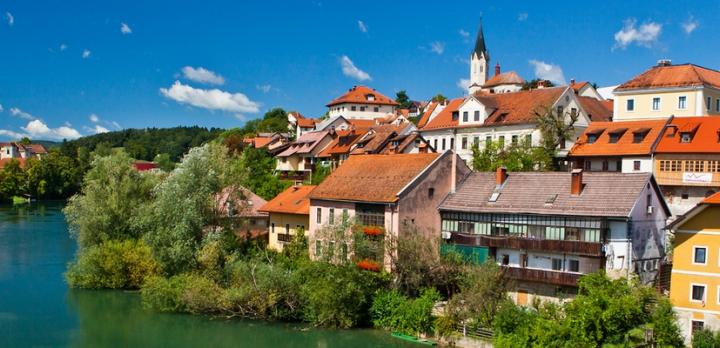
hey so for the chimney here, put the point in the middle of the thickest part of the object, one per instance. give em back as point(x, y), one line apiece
point(500, 176)
point(453, 172)
point(497, 69)
point(664, 62)
point(576, 183)
point(572, 82)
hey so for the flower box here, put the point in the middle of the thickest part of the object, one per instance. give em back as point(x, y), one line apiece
point(369, 265)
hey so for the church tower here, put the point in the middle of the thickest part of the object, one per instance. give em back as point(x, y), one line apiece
point(479, 63)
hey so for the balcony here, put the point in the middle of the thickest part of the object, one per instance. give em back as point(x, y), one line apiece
point(293, 175)
point(284, 237)
point(510, 242)
point(542, 276)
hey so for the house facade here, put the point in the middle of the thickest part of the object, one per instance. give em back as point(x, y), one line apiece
point(288, 215)
point(238, 209)
point(548, 229)
point(361, 102)
point(398, 193)
point(666, 89)
point(298, 160)
point(695, 278)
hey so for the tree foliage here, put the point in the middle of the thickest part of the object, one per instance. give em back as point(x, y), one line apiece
point(555, 127)
point(517, 157)
point(402, 98)
point(439, 98)
point(113, 264)
point(533, 84)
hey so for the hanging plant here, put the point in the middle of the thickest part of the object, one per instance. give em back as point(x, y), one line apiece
point(369, 265)
point(373, 230)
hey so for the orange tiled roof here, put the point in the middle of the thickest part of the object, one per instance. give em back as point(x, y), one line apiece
point(306, 122)
point(684, 75)
point(507, 78)
point(343, 142)
point(359, 123)
point(596, 109)
point(704, 132)
point(358, 95)
point(404, 112)
point(426, 115)
point(508, 108)
point(577, 86)
point(713, 199)
point(294, 200)
point(625, 144)
point(377, 137)
point(372, 178)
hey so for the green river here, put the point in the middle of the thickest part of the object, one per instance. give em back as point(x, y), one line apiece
point(38, 310)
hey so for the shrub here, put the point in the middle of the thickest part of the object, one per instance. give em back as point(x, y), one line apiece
point(165, 294)
point(112, 264)
point(393, 311)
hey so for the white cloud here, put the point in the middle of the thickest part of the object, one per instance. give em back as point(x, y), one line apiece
point(350, 70)
point(211, 99)
point(202, 75)
point(10, 18)
point(115, 124)
point(362, 26)
point(21, 114)
point(437, 47)
point(97, 129)
point(547, 71)
point(463, 84)
point(63, 47)
point(125, 29)
point(36, 129)
point(12, 135)
point(264, 88)
point(94, 118)
point(644, 35)
point(86, 53)
point(522, 16)
point(690, 25)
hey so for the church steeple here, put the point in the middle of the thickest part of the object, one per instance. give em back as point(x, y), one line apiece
point(480, 49)
point(479, 63)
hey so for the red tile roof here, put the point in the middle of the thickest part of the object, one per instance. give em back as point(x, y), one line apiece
point(377, 137)
point(508, 108)
point(373, 178)
point(245, 202)
point(306, 143)
point(704, 133)
point(306, 122)
point(713, 199)
point(507, 78)
point(358, 95)
point(426, 115)
point(597, 110)
point(294, 200)
point(359, 123)
point(685, 75)
point(625, 144)
point(577, 86)
point(343, 142)
point(142, 166)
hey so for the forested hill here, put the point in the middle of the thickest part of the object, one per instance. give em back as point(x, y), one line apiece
point(145, 144)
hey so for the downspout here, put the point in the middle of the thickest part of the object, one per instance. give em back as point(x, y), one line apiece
point(629, 250)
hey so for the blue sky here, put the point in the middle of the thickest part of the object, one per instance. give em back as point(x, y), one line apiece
point(70, 68)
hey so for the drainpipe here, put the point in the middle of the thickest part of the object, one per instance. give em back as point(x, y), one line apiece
point(629, 249)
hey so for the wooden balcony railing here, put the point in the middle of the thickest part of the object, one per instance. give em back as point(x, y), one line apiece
point(284, 237)
point(293, 175)
point(510, 242)
point(542, 276)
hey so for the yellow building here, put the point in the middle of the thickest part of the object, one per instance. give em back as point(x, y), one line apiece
point(666, 89)
point(695, 281)
point(289, 212)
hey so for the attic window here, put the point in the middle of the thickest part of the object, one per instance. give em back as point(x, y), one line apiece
point(501, 118)
point(616, 134)
point(455, 115)
point(551, 199)
point(685, 137)
point(369, 97)
point(639, 135)
point(593, 135)
point(494, 197)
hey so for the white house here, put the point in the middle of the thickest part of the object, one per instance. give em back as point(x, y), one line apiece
point(363, 103)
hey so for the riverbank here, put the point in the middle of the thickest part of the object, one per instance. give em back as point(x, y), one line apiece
point(38, 309)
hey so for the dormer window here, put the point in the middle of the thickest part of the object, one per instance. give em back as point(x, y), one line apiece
point(639, 135)
point(685, 137)
point(370, 97)
point(455, 115)
point(616, 135)
point(592, 138)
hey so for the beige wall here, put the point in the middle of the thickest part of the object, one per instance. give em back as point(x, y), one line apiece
point(279, 220)
point(696, 104)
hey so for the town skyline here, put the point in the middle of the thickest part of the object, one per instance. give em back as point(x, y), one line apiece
point(109, 68)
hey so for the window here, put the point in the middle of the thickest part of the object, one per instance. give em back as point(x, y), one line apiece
point(353, 108)
point(630, 105)
point(528, 138)
point(272, 227)
point(455, 115)
point(697, 292)
point(618, 166)
point(514, 139)
point(501, 141)
point(670, 166)
point(682, 102)
point(605, 166)
point(476, 141)
point(559, 109)
point(318, 248)
point(344, 251)
point(636, 165)
point(477, 113)
point(684, 196)
point(696, 325)
point(488, 139)
point(362, 108)
point(615, 137)
point(592, 138)
point(435, 144)
point(708, 103)
point(505, 259)
point(694, 166)
point(713, 166)
point(331, 249)
point(717, 105)
point(557, 264)
point(376, 109)
point(574, 266)
point(699, 255)
point(431, 193)
point(463, 143)
point(452, 143)
point(656, 104)
point(287, 228)
point(331, 216)
point(319, 215)
point(638, 137)
point(465, 116)
point(685, 137)
point(443, 144)
point(573, 111)
point(588, 165)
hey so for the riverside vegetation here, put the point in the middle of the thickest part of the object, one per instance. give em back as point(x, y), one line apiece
point(161, 234)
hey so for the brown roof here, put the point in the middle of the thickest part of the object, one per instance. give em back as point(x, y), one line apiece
point(625, 145)
point(704, 135)
point(245, 202)
point(306, 122)
point(377, 137)
point(577, 86)
point(685, 75)
point(294, 200)
point(305, 144)
point(604, 194)
point(508, 108)
point(373, 178)
point(359, 94)
point(426, 115)
point(597, 110)
point(507, 78)
point(343, 142)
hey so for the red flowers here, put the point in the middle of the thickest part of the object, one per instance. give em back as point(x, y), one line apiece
point(369, 265)
point(373, 230)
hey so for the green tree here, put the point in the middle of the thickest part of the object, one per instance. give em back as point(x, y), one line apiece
point(53, 176)
point(164, 161)
point(555, 127)
point(13, 180)
point(112, 197)
point(439, 98)
point(517, 157)
point(533, 84)
point(256, 167)
point(402, 98)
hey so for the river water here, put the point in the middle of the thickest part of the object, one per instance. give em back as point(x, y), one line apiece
point(38, 310)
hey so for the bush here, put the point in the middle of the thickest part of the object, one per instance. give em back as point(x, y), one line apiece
point(112, 264)
point(164, 294)
point(393, 311)
point(705, 339)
